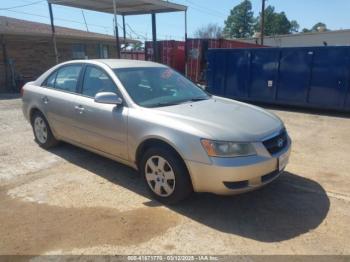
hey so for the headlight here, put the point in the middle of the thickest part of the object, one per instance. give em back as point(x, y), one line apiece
point(227, 149)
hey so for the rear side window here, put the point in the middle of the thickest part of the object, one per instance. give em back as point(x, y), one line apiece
point(95, 81)
point(50, 81)
point(67, 78)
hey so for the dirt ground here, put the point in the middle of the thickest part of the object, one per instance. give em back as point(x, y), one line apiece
point(70, 201)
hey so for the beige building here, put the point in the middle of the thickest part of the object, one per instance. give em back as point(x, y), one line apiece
point(330, 38)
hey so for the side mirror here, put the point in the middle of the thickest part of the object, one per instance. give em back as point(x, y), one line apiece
point(108, 98)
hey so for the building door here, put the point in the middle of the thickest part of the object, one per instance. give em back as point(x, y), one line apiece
point(103, 51)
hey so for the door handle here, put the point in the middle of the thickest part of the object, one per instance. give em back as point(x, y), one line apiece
point(45, 99)
point(80, 109)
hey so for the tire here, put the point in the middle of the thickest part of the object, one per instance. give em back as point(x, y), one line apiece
point(165, 175)
point(42, 132)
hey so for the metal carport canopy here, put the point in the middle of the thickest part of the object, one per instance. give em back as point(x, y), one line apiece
point(124, 7)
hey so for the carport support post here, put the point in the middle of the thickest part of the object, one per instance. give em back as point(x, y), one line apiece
point(154, 37)
point(262, 25)
point(53, 33)
point(186, 54)
point(116, 29)
point(124, 33)
point(4, 54)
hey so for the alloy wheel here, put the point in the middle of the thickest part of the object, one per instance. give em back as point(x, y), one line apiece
point(40, 129)
point(160, 176)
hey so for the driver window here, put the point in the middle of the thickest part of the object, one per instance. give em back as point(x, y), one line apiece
point(96, 81)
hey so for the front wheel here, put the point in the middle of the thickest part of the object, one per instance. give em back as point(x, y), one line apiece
point(166, 175)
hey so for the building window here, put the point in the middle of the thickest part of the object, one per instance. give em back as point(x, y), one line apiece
point(103, 51)
point(79, 51)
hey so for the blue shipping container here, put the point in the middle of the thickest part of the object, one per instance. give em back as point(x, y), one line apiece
point(315, 77)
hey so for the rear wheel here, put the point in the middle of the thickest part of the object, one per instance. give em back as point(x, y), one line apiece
point(42, 131)
point(166, 175)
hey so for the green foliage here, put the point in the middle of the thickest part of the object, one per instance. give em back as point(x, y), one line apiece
point(316, 28)
point(138, 46)
point(276, 23)
point(240, 22)
point(295, 26)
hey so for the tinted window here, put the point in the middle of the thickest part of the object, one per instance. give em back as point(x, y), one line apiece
point(67, 78)
point(95, 81)
point(50, 81)
point(153, 87)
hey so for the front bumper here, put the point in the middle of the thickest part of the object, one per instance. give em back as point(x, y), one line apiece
point(228, 176)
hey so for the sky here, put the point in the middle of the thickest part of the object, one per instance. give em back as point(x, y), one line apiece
point(335, 13)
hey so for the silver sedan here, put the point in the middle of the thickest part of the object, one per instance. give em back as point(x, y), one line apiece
point(147, 116)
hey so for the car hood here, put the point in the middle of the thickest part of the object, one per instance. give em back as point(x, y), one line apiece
point(224, 119)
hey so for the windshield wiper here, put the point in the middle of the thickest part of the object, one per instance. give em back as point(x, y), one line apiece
point(164, 104)
point(198, 99)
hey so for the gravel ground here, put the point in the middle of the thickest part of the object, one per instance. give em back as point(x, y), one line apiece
point(70, 201)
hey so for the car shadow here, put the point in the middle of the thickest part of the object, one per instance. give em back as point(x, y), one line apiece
point(287, 208)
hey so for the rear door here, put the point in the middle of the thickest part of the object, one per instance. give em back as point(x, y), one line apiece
point(103, 126)
point(59, 100)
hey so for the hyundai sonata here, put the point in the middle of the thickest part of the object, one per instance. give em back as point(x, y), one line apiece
point(147, 116)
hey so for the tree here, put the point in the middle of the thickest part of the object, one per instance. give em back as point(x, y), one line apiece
point(276, 23)
point(240, 22)
point(209, 31)
point(138, 46)
point(295, 26)
point(316, 28)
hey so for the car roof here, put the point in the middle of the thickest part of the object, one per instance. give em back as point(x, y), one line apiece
point(126, 63)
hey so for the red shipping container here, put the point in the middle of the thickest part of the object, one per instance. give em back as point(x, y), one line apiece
point(133, 55)
point(171, 53)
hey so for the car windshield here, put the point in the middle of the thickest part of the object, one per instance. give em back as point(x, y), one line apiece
point(159, 86)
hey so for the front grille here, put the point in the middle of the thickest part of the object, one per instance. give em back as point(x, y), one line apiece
point(277, 143)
